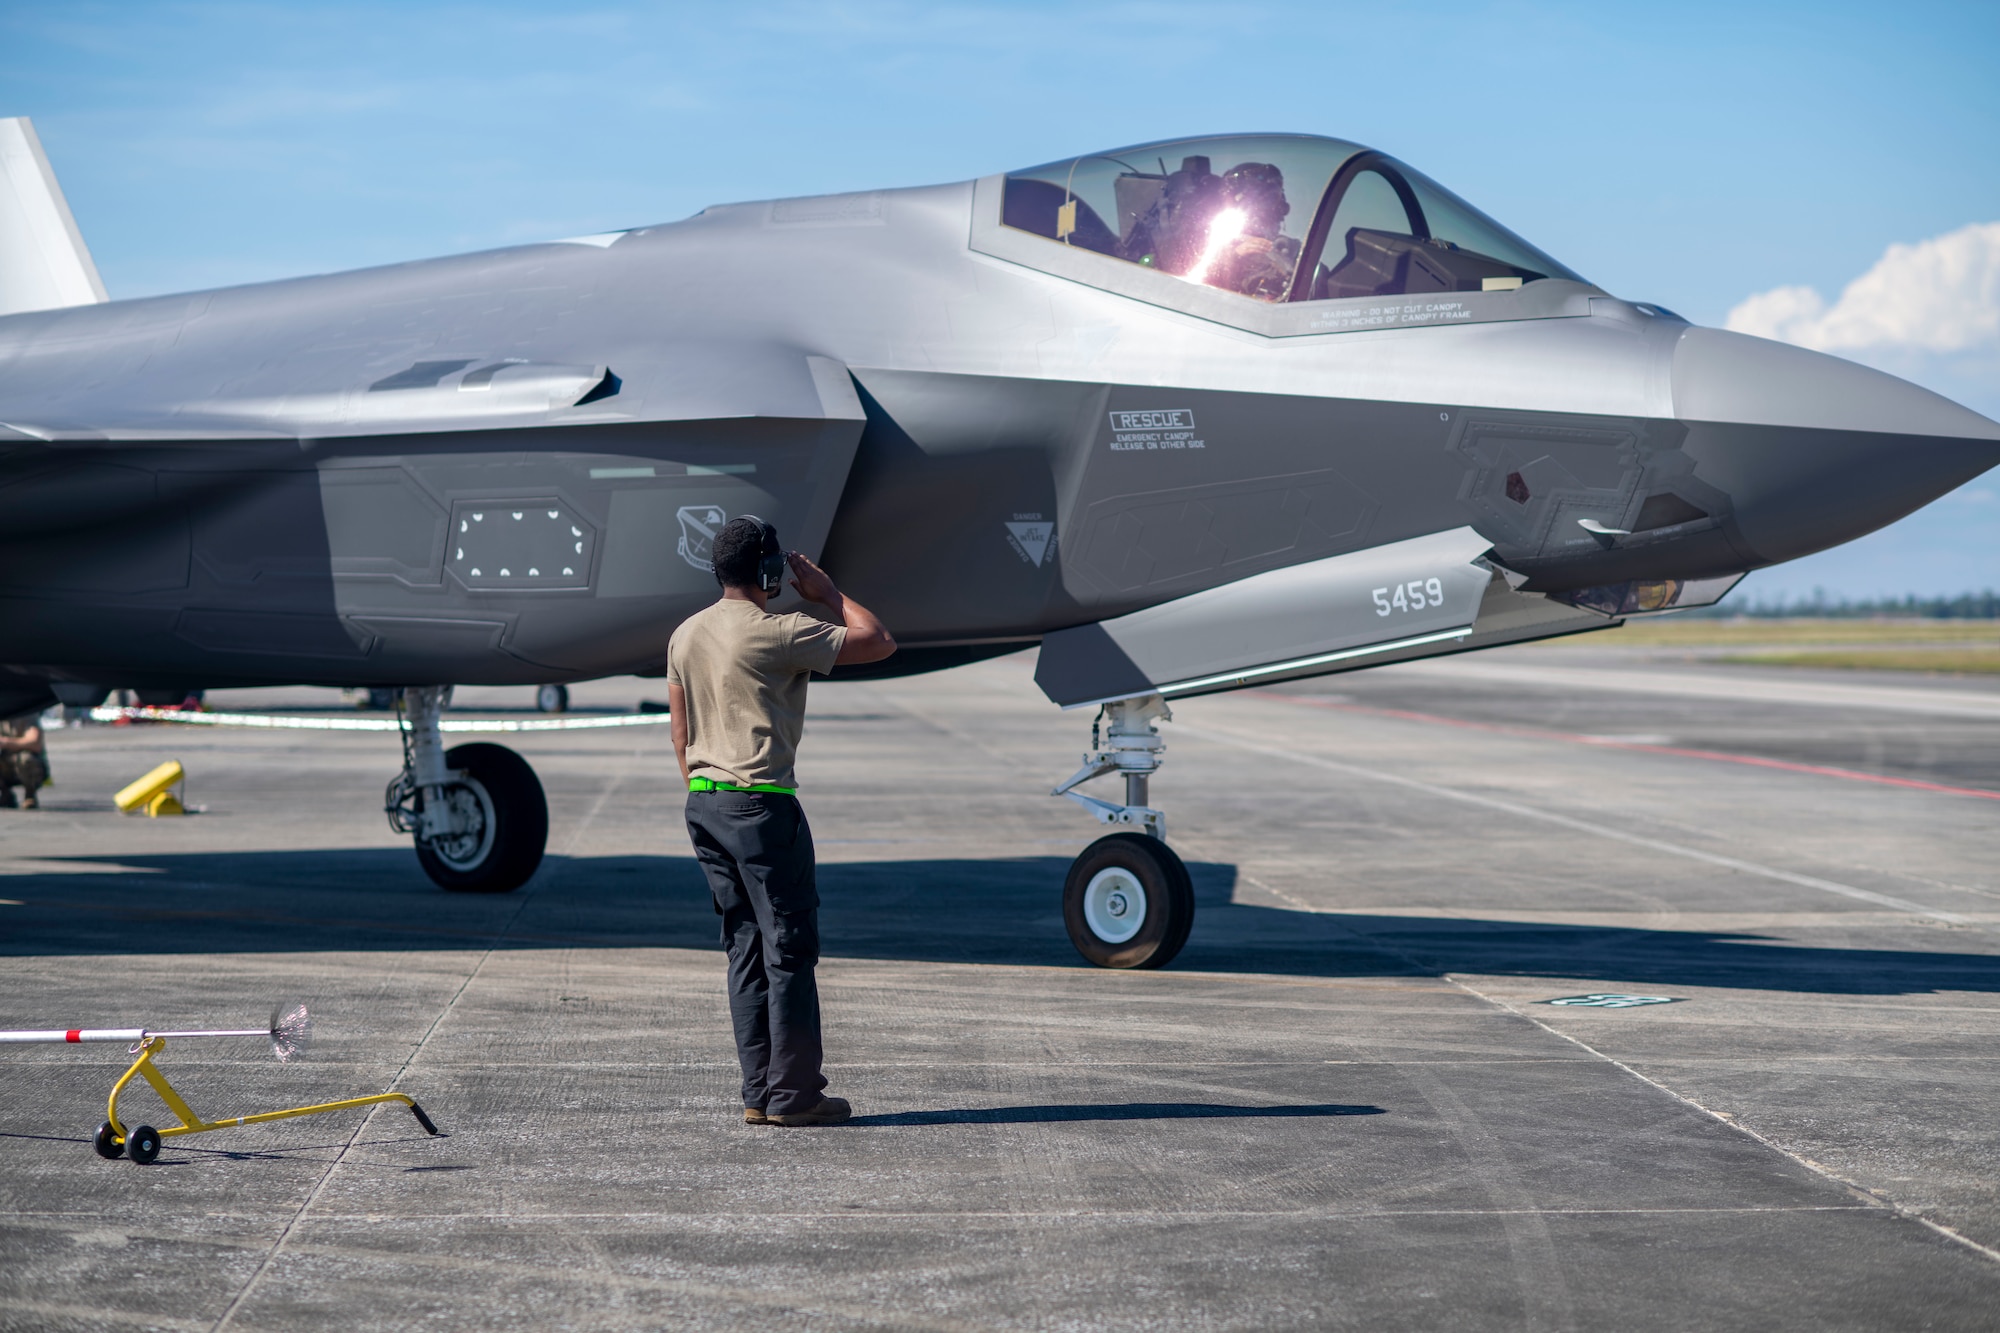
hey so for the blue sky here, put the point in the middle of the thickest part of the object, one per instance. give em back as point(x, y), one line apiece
point(1697, 154)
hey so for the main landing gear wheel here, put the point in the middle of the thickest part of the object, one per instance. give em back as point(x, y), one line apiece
point(552, 698)
point(501, 818)
point(1128, 902)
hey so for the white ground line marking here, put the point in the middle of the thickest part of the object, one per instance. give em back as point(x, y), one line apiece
point(1872, 1198)
point(1817, 1168)
point(1577, 825)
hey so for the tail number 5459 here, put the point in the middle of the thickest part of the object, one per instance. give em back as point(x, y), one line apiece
point(1412, 596)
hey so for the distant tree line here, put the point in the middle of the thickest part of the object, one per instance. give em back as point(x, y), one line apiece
point(1966, 606)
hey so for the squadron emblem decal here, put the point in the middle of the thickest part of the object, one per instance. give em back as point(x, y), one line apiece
point(1031, 538)
point(699, 524)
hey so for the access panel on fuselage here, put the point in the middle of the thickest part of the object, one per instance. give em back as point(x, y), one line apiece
point(574, 551)
point(1186, 489)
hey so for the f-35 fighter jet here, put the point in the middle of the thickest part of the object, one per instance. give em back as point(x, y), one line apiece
point(1190, 416)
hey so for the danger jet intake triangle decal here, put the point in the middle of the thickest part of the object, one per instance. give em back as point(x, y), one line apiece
point(1031, 540)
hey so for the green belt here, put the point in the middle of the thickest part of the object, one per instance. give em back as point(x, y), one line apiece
point(709, 784)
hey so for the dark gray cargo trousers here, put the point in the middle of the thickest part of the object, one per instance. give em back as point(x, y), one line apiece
point(757, 851)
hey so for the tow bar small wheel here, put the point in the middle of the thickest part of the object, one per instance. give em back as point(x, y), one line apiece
point(503, 822)
point(107, 1142)
point(552, 698)
point(142, 1145)
point(1128, 902)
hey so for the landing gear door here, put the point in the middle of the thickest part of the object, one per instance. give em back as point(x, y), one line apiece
point(1275, 625)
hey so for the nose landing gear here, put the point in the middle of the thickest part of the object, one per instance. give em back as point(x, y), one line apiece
point(1128, 901)
point(477, 811)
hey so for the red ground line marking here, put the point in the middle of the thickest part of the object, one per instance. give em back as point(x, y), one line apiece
point(1718, 756)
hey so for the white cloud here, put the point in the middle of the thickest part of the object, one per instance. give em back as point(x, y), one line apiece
point(1939, 295)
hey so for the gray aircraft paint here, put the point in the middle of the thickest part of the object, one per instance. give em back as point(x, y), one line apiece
point(1277, 624)
point(269, 483)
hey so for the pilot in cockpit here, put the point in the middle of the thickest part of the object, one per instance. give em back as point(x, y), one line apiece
point(1221, 231)
point(1258, 259)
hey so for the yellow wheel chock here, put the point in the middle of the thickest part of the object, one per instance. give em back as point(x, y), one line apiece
point(142, 1143)
point(153, 793)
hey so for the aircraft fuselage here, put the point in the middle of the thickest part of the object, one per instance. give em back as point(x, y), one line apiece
point(501, 468)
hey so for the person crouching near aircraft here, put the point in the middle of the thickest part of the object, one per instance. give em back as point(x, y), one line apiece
point(736, 687)
point(24, 761)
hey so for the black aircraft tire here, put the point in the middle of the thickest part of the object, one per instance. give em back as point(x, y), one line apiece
point(1099, 907)
point(520, 823)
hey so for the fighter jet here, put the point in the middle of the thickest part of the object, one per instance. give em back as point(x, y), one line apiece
point(1190, 416)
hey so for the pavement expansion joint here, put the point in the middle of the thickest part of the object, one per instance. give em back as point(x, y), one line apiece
point(278, 1245)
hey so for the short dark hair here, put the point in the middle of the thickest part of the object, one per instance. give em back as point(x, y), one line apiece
point(736, 551)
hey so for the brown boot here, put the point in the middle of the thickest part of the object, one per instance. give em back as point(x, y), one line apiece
point(754, 1115)
point(30, 801)
point(829, 1111)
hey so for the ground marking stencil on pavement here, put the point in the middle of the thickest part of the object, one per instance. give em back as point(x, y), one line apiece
point(1610, 1001)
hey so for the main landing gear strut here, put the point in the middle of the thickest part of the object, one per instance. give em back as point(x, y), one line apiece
point(1128, 900)
point(477, 810)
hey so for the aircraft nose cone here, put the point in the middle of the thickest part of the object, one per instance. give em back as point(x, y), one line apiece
point(1814, 450)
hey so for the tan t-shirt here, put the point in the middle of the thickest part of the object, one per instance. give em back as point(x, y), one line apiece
point(742, 674)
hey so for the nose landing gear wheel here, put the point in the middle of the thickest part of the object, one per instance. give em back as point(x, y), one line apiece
point(503, 818)
point(552, 698)
point(1128, 902)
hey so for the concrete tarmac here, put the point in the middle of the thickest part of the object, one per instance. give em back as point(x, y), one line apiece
point(1347, 1105)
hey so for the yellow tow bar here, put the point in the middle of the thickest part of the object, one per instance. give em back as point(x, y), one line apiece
point(142, 1143)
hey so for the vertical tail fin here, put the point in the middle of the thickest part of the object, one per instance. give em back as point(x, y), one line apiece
point(44, 264)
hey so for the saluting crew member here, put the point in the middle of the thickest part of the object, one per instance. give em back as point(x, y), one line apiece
point(736, 685)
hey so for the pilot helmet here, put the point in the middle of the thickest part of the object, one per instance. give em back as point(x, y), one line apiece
point(1258, 188)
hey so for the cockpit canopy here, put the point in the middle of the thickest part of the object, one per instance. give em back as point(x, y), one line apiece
point(1276, 217)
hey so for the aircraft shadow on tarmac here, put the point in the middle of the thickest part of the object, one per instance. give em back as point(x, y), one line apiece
point(999, 911)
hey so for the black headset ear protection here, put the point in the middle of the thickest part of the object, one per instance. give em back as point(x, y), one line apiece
point(771, 564)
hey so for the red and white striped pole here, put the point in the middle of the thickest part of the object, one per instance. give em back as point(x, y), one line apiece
point(53, 1035)
point(289, 1031)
